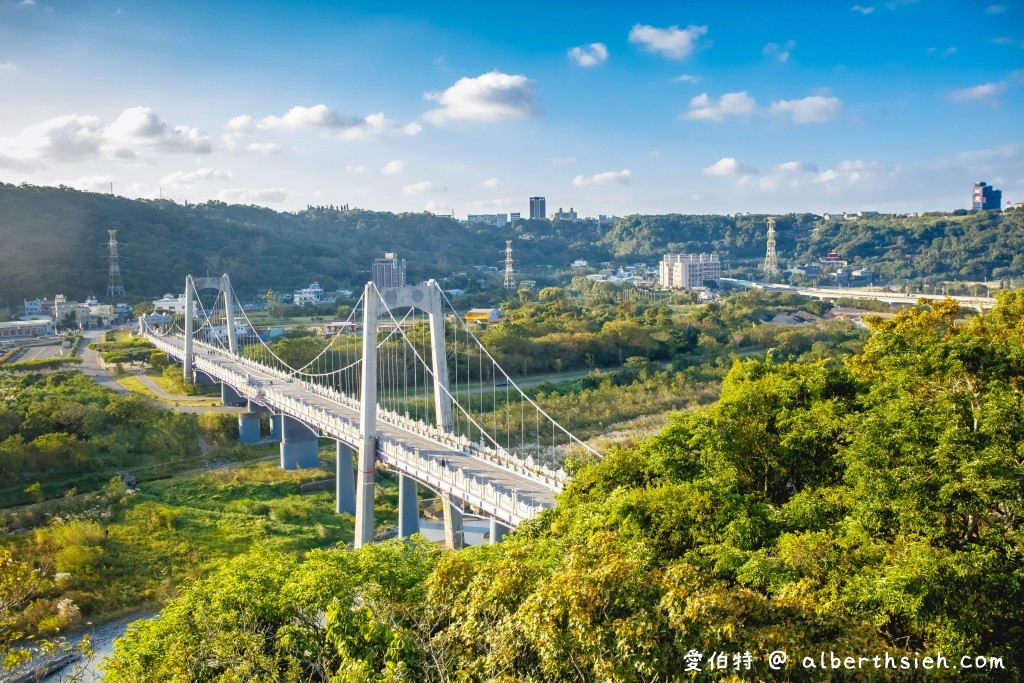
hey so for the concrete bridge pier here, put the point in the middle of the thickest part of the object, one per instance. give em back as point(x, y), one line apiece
point(299, 446)
point(230, 397)
point(249, 423)
point(497, 531)
point(249, 427)
point(275, 427)
point(408, 507)
point(454, 537)
point(345, 481)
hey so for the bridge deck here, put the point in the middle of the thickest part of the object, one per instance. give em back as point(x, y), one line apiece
point(270, 388)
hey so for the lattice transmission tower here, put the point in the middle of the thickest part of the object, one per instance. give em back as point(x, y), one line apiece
point(510, 275)
point(115, 287)
point(771, 259)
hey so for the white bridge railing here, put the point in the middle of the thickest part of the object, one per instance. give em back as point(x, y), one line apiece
point(504, 504)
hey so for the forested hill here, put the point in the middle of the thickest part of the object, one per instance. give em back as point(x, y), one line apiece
point(53, 240)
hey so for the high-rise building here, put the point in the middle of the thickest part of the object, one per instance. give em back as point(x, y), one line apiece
point(686, 271)
point(569, 215)
point(985, 196)
point(389, 271)
point(514, 216)
point(538, 208)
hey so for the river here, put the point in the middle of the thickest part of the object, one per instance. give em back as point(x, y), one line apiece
point(103, 636)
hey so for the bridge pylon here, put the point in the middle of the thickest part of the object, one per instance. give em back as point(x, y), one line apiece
point(427, 298)
point(223, 285)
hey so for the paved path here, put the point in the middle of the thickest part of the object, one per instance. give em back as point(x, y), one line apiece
point(92, 364)
point(159, 391)
point(92, 367)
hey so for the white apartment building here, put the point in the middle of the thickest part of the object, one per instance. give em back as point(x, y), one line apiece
point(688, 271)
point(493, 219)
point(314, 294)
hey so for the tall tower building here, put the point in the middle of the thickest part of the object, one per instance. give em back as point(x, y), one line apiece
point(538, 208)
point(771, 260)
point(985, 197)
point(389, 271)
point(114, 286)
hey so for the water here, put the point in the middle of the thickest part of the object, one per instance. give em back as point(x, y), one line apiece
point(433, 530)
point(103, 636)
point(102, 643)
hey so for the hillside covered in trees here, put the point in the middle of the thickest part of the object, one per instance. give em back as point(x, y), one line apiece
point(53, 240)
point(862, 507)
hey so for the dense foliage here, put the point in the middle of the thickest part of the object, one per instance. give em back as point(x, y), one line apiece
point(864, 507)
point(49, 235)
point(64, 430)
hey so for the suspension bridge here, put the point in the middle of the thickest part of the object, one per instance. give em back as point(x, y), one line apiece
point(403, 383)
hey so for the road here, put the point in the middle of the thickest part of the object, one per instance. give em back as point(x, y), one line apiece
point(92, 368)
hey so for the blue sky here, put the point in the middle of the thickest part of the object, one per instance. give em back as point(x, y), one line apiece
point(610, 108)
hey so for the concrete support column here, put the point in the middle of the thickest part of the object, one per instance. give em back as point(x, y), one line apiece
point(299, 446)
point(408, 507)
point(275, 427)
point(230, 397)
point(439, 358)
point(367, 420)
point(190, 313)
point(345, 483)
point(229, 311)
point(453, 532)
point(249, 427)
point(497, 531)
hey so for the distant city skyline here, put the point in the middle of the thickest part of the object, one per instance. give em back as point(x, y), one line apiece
point(895, 106)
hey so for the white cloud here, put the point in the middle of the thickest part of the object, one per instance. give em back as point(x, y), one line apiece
point(135, 133)
point(995, 9)
point(6, 66)
point(375, 124)
point(986, 92)
point(589, 55)
point(813, 109)
point(393, 167)
point(239, 124)
point(671, 42)
point(493, 96)
point(263, 148)
point(779, 51)
point(949, 52)
point(65, 138)
point(353, 168)
point(1003, 40)
point(423, 187)
point(730, 104)
point(138, 130)
point(728, 166)
point(243, 195)
point(298, 117)
point(795, 167)
point(607, 178)
point(193, 177)
point(563, 161)
point(96, 183)
point(140, 127)
point(848, 172)
point(437, 207)
point(492, 205)
point(685, 78)
point(862, 10)
point(490, 183)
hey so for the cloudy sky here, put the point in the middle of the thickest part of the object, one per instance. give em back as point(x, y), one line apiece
point(610, 108)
